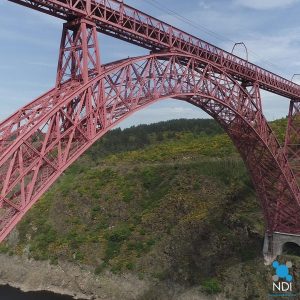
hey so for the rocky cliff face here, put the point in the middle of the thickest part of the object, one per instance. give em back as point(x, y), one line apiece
point(241, 281)
point(81, 283)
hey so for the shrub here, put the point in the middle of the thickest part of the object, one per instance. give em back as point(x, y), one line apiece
point(119, 234)
point(211, 286)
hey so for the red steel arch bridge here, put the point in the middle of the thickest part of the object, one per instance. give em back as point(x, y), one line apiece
point(40, 140)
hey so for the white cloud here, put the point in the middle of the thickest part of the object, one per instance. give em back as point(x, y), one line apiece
point(278, 51)
point(206, 27)
point(265, 4)
point(259, 30)
point(204, 5)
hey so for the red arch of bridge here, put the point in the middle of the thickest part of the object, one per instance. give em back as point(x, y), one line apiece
point(45, 137)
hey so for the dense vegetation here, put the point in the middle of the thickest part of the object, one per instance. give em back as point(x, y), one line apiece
point(171, 200)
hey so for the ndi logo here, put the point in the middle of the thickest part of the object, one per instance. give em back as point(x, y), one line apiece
point(282, 280)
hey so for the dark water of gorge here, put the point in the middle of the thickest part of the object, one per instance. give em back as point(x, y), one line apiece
point(9, 293)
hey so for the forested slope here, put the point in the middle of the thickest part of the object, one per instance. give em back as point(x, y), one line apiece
point(170, 201)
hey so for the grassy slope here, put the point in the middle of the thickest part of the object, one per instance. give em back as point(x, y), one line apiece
point(171, 201)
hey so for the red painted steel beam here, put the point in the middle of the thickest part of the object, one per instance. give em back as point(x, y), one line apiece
point(127, 23)
point(58, 130)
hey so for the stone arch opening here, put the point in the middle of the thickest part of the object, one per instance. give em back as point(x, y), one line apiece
point(291, 248)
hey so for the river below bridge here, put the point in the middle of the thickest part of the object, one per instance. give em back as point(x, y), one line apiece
point(9, 293)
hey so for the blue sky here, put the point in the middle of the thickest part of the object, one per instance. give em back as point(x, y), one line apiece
point(270, 29)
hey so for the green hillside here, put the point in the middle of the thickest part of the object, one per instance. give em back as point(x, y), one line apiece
point(170, 201)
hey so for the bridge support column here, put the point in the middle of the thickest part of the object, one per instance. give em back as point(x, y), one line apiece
point(273, 244)
point(292, 137)
point(79, 56)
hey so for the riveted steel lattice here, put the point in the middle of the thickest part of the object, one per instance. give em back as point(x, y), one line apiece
point(43, 138)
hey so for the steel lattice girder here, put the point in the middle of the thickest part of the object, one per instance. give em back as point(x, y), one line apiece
point(56, 129)
point(124, 22)
point(292, 138)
